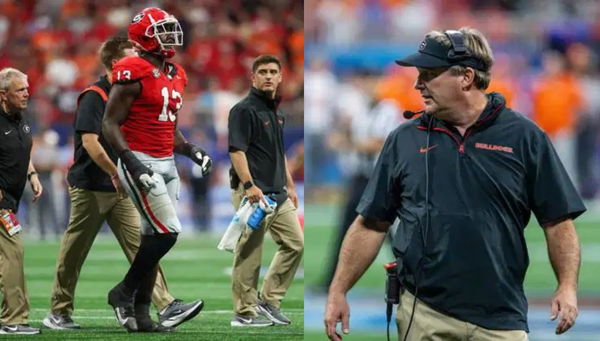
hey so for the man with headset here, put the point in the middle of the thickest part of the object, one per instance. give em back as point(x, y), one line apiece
point(463, 179)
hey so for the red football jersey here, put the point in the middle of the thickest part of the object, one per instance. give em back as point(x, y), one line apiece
point(150, 126)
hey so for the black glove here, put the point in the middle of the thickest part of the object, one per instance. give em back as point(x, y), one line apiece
point(200, 157)
point(141, 174)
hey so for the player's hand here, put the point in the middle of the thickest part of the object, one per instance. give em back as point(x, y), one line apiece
point(201, 158)
point(36, 187)
point(146, 180)
point(564, 307)
point(254, 194)
point(143, 178)
point(141, 174)
point(337, 311)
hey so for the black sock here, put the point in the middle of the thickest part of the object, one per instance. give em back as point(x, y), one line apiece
point(144, 293)
point(152, 249)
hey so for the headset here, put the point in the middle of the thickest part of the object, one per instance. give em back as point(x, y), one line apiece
point(459, 49)
point(459, 53)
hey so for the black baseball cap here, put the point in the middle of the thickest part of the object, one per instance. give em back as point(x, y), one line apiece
point(433, 54)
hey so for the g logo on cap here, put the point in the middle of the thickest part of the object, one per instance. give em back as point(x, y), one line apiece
point(423, 45)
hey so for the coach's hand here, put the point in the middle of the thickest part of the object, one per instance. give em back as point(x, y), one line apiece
point(36, 187)
point(121, 192)
point(337, 311)
point(564, 306)
point(254, 194)
point(293, 197)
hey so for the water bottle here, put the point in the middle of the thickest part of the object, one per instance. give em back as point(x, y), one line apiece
point(258, 215)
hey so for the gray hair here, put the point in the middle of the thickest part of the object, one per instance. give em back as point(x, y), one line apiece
point(6, 76)
point(479, 47)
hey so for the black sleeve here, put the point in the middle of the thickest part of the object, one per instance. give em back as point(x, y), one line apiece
point(378, 199)
point(89, 113)
point(240, 128)
point(552, 195)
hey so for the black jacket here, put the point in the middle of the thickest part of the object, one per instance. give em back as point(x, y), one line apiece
point(15, 153)
point(482, 190)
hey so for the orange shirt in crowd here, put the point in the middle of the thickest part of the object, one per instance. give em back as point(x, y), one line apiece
point(399, 86)
point(504, 87)
point(296, 43)
point(557, 101)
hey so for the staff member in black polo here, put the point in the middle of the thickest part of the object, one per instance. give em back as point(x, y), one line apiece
point(463, 180)
point(259, 168)
point(15, 169)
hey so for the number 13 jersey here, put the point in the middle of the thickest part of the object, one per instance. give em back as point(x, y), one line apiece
point(150, 126)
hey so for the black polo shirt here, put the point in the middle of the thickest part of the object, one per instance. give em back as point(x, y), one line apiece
point(85, 173)
point(482, 190)
point(256, 128)
point(15, 152)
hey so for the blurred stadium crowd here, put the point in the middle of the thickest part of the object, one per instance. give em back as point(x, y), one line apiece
point(55, 42)
point(546, 65)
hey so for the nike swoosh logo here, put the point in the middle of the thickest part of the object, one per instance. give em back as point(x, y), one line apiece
point(177, 312)
point(425, 150)
point(244, 320)
point(57, 320)
point(12, 329)
point(7, 132)
point(120, 318)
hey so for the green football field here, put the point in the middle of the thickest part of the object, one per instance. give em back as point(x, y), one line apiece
point(540, 281)
point(194, 269)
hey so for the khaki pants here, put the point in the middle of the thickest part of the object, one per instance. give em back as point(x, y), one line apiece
point(15, 303)
point(285, 229)
point(89, 209)
point(432, 325)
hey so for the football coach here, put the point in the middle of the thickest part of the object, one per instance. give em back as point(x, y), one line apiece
point(15, 169)
point(463, 179)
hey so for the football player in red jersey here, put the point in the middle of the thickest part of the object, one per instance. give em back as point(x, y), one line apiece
point(140, 123)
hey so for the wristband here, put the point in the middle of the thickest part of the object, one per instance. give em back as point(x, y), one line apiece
point(248, 184)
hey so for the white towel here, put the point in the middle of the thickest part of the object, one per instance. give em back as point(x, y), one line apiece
point(236, 227)
point(239, 222)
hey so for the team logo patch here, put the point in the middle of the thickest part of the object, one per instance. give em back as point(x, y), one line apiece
point(137, 18)
point(423, 45)
point(26, 128)
point(488, 146)
point(155, 73)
